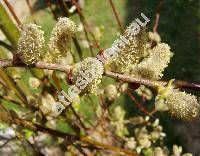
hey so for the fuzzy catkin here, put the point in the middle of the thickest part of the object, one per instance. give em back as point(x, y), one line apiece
point(182, 105)
point(30, 44)
point(153, 66)
point(87, 73)
point(60, 40)
point(130, 53)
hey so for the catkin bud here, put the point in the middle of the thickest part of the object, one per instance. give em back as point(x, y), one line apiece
point(129, 49)
point(30, 43)
point(60, 40)
point(87, 74)
point(153, 66)
point(182, 105)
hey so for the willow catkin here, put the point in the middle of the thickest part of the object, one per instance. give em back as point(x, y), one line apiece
point(129, 53)
point(60, 40)
point(30, 43)
point(153, 66)
point(182, 105)
point(87, 74)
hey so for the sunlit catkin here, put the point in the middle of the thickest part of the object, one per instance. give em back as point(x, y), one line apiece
point(87, 74)
point(128, 50)
point(182, 105)
point(60, 40)
point(30, 43)
point(153, 66)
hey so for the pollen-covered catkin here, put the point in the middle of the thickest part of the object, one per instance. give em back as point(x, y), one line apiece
point(87, 74)
point(182, 105)
point(153, 66)
point(60, 40)
point(30, 43)
point(129, 52)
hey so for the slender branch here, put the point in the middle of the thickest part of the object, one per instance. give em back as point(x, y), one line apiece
point(138, 104)
point(142, 81)
point(116, 15)
point(48, 3)
point(36, 127)
point(85, 24)
point(31, 10)
point(13, 13)
point(7, 46)
point(39, 64)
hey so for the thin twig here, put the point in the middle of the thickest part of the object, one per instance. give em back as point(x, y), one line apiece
point(31, 10)
point(7, 46)
point(36, 127)
point(116, 15)
point(158, 10)
point(85, 23)
point(48, 3)
point(78, 118)
point(13, 14)
point(138, 104)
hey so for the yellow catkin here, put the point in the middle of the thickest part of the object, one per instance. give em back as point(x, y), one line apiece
point(87, 74)
point(30, 43)
point(60, 40)
point(130, 53)
point(182, 105)
point(153, 66)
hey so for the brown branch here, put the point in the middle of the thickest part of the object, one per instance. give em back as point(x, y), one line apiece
point(142, 81)
point(7, 46)
point(158, 10)
point(31, 10)
point(139, 105)
point(39, 64)
point(13, 13)
point(84, 22)
point(116, 15)
point(38, 128)
point(48, 3)
point(82, 19)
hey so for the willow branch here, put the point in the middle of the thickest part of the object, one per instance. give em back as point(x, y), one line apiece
point(7, 46)
point(13, 13)
point(38, 128)
point(40, 65)
point(116, 15)
point(131, 79)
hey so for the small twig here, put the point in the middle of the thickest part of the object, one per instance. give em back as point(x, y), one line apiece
point(116, 15)
point(158, 10)
point(138, 104)
point(7, 46)
point(36, 127)
point(13, 14)
point(31, 10)
point(85, 23)
point(48, 3)
point(155, 27)
point(78, 118)
point(10, 100)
